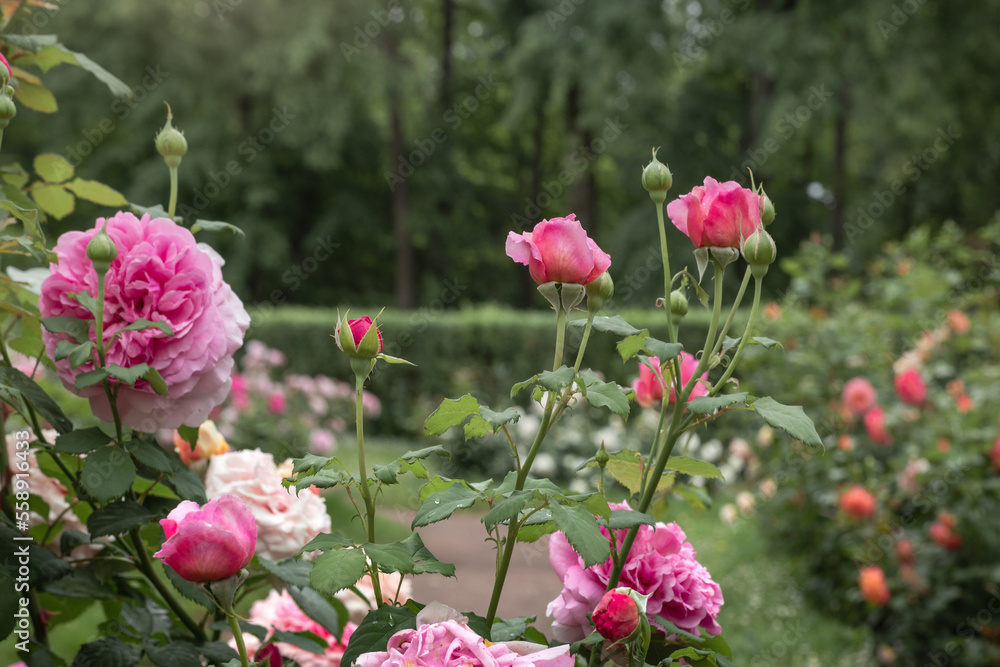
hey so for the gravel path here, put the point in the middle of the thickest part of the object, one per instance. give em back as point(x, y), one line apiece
point(531, 584)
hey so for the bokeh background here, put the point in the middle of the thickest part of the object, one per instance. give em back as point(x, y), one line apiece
point(424, 130)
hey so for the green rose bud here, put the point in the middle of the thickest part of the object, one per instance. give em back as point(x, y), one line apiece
point(101, 250)
point(657, 179)
point(766, 210)
point(170, 143)
point(602, 457)
point(7, 110)
point(599, 290)
point(759, 251)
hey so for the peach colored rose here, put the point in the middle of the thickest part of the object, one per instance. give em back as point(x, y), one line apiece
point(858, 502)
point(958, 321)
point(286, 522)
point(210, 443)
point(871, 581)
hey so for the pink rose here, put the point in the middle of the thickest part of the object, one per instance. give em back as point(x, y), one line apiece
point(451, 643)
point(943, 532)
point(858, 502)
point(718, 214)
point(958, 321)
point(648, 386)
point(661, 564)
point(859, 396)
point(286, 522)
point(871, 581)
point(6, 64)
point(211, 542)
point(277, 402)
point(558, 250)
point(278, 611)
point(160, 274)
point(351, 338)
point(875, 426)
point(688, 366)
point(910, 387)
point(616, 616)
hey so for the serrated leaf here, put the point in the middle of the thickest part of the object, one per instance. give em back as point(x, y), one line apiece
point(81, 441)
point(218, 652)
point(327, 542)
point(78, 354)
point(498, 419)
point(506, 509)
point(142, 324)
point(390, 556)
point(693, 467)
point(632, 345)
point(334, 571)
point(117, 518)
point(187, 589)
point(77, 329)
point(302, 641)
point(583, 532)
point(790, 418)
point(90, 378)
point(626, 468)
point(35, 97)
point(695, 497)
point(108, 473)
point(107, 652)
point(423, 560)
point(442, 504)
point(609, 395)
point(54, 200)
point(52, 167)
point(151, 455)
point(175, 653)
point(186, 484)
point(557, 379)
point(290, 571)
point(767, 343)
point(451, 412)
point(128, 375)
point(317, 608)
point(375, 630)
point(477, 427)
point(218, 226)
point(623, 519)
point(616, 325)
point(34, 394)
point(117, 87)
point(706, 405)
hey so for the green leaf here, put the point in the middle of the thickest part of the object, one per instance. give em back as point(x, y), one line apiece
point(327, 542)
point(154, 211)
point(632, 345)
point(477, 427)
point(141, 325)
point(582, 531)
point(616, 325)
point(90, 378)
point(423, 560)
point(692, 467)
point(318, 608)
point(128, 375)
point(498, 419)
point(54, 200)
point(509, 629)
point(451, 412)
point(81, 441)
point(175, 653)
point(117, 87)
point(375, 630)
point(661, 350)
point(625, 467)
point(78, 354)
point(35, 97)
point(302, 641)
point(609, 395)
point(151, 455)
point(77, 329)
point(442, 504)
point(507, 509)
point(186, 484)
point(87, 301)
point(54, 168)
point(767, 343)
point(334, 571)
point(290, 571)
point(35, 395)
point(217, 653)
point(789, 418)
point(557, 379)
point(187, 589)
point(706, 405)
point(108, 473)
point(216, 226)
point(107, 652)
point(390, 556)
point(156, 381)
point(623, 519)
point(695, 497)
point(117, 518)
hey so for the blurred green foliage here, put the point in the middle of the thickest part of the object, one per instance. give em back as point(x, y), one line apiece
point(376, 152)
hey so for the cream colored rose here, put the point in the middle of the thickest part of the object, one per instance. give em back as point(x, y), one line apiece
point(285, 521)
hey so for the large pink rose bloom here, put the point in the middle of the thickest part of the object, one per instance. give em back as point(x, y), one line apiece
point(661, 564)
point(286, 522)
point(716, 214)
point(558, 250)
point(278, 611)
point(451, 643)
point(211, 542)
point(161, 274)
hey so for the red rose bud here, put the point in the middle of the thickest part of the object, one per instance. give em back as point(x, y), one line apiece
point(268, 655)
point(358, 338)
point(616, 615)
point(657, 179)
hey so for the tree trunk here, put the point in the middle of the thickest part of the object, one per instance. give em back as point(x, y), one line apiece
point(840, 165)
point(400, 193)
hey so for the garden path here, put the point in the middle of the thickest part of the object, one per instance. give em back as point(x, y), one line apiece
point(531, 583)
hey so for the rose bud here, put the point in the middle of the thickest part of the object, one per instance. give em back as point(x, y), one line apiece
point(358, 338)
point(101, 250)
point(208, 543)
point(759, 251)
point(657, 179)
point(170, 143)
point(616, 615)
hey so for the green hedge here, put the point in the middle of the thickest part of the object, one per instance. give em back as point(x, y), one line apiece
point(482, 350)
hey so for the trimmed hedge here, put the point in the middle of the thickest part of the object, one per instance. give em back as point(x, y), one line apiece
point(482, 350)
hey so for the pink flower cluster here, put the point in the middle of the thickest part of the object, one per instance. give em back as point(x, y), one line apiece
point(661, 564)
point(161, 274)
point(447, 641)
point(285, 521)
point(278, 611)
